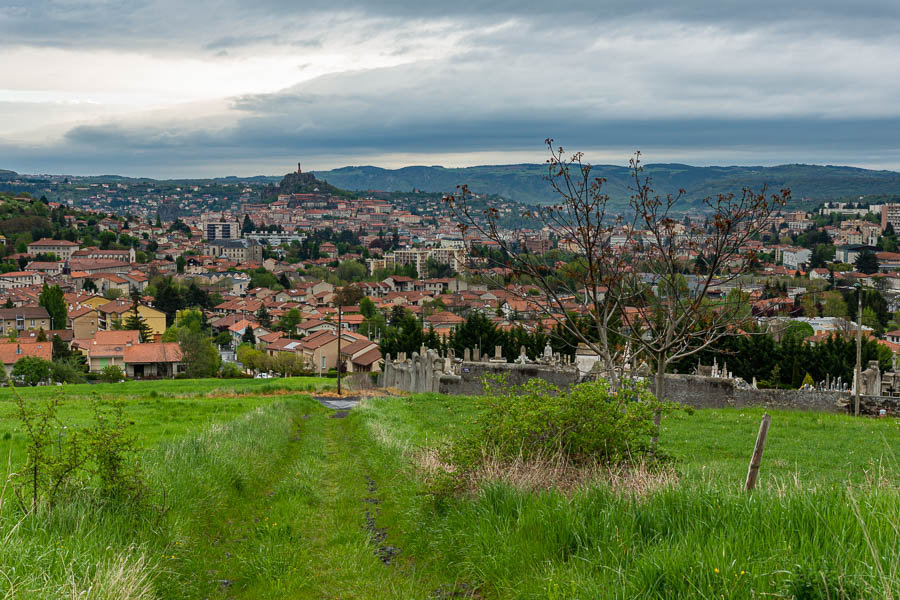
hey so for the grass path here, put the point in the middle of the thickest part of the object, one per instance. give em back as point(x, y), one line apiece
point(303, 534)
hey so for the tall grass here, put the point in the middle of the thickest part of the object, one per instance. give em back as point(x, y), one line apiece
point(682, 542)
point(88, 547)
point(816, 536)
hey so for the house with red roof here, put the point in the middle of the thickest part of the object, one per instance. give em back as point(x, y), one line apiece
point(153, 361)
point(12, 352)
point(361, 356)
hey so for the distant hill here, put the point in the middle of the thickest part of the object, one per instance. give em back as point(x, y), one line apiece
point(525, 183)
point(7, 175)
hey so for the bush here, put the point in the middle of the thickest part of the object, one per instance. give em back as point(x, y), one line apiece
point(60, 458)
point(112, 374)
point(588, 424)
point(232, 371)
point(32, 370)
point(66, 370)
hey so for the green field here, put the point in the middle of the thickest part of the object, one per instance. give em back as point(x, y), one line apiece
point(259, 492)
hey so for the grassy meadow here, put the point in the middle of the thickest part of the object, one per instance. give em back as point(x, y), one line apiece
point(257, 491)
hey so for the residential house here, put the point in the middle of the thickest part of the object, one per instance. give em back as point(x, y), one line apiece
point(23, 318)
point(311, 326)
point(118, 310)
point(11, 352)
point(444, 321)
point(361, 356)
point(100, 356)
point(320, 351)
point(83, 321)
point(153, 361)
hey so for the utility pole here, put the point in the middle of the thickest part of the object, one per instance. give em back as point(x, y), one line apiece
point(339, 352)
point(858, 349)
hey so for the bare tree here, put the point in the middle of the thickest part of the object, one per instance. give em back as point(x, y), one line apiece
point(627, 278)
point(582, 222)
point(674, 318)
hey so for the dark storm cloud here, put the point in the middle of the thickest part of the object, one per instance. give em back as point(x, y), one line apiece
point(272, 137)
point(809, 80)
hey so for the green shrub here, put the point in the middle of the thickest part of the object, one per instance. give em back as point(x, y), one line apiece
point(589, 423)
point(112, 374)
point(32, 370)
point(111, 447)
point(66, 370)
point(231, 371)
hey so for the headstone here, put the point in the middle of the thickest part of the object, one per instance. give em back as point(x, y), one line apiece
point(548, 353)
point(523, 357)
point(467, 355)
point(498, 352)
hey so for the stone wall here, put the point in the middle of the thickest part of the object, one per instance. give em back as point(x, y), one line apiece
point(433, 374)
point(469, 380)
point(714, 392)
point(447, 376)
point(873, 405)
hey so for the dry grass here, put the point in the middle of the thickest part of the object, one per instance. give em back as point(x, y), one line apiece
point(392, 391)
point(555, 472)
point(123, 578)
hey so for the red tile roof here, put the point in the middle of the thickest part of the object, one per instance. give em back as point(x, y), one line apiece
point(11, 352)
point(164, 352)
point(368, 358)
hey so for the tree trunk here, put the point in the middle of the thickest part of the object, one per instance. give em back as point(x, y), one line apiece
point(660, 392)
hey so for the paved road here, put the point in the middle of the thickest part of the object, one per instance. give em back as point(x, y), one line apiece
point(335, 404)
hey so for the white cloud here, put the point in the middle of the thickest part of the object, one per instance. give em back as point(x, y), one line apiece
point(370, 82)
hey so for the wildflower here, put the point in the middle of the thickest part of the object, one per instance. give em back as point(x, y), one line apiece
point(716, 569)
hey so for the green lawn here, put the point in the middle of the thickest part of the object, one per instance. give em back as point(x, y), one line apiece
point(258, 492)
point(159, 409)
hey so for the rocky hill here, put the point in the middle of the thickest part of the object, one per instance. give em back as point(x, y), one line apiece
point(300, 183)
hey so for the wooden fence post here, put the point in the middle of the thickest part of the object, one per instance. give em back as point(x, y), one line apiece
point(756, 459)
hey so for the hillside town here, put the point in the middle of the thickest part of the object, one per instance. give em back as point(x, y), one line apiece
point(277, 287)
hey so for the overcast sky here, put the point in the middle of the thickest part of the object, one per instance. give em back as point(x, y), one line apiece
point(171, 88)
